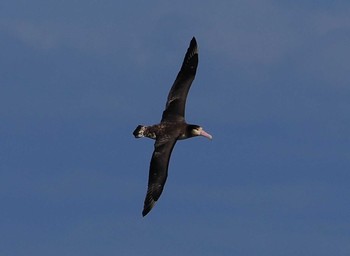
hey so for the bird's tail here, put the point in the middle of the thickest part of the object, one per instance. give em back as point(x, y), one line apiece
point(139, 131)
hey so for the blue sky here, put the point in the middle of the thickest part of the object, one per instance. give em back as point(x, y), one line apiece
point(272, 87)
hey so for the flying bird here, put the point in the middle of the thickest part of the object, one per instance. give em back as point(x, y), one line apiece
point(172, 127)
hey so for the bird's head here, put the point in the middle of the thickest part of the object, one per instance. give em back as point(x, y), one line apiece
point(196, 130)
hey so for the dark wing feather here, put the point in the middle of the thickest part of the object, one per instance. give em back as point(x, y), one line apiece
point(158, 172)
point(176, 102)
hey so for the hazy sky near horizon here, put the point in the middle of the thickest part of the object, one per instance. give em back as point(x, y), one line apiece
point(272, 87)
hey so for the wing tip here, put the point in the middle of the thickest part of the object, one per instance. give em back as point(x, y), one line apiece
point(144, 213)
point(194, 46)
point(148, 207)
point(191, 56)
point(193, 40)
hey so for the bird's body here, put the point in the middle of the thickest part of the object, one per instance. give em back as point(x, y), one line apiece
point(172, 127)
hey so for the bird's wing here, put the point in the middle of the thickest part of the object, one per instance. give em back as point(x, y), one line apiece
point(158, 172)
point(175, 105)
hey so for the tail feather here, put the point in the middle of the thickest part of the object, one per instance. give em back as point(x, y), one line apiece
point(138, 133)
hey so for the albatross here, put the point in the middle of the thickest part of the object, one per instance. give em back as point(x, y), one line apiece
point(172, 128)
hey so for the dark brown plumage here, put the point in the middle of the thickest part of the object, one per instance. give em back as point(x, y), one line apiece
point(172, 127)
